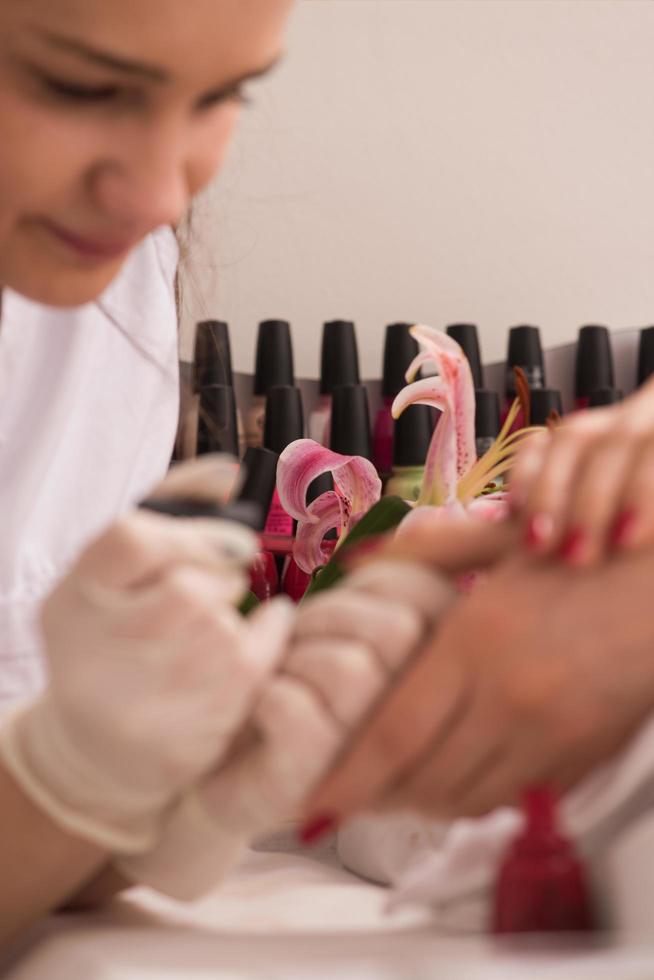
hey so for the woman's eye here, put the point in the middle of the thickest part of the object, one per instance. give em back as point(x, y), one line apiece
point(81, 93)
point(236, 95)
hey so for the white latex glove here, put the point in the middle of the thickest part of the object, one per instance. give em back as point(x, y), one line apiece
point(346, 645)
point(152, 670)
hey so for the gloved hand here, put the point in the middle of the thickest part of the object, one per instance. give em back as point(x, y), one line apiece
point(152, 670)
point(346, 645)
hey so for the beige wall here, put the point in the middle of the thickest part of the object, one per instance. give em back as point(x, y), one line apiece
point(489, 160)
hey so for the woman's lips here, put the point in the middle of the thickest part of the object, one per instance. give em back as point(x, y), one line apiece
point(90, 246)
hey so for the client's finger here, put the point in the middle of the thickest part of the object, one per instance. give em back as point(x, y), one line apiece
point(451, 543)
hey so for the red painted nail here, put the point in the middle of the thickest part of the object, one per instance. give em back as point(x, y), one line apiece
point(573, 545)
point(538, 531)
point(622, 532)
point(316, 828)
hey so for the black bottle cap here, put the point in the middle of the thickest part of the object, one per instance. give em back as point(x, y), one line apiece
point(604, 396)
point(260, 481)
point(487, 414)
point(212, 362)
point(274, 363)
point(339, 362)
point(543, 402)
point(467, 338)
point(400, 348)
point(525, 351)
point(594, 367)
point(350, 428)
point(645, 354)
point(284, 417)
point(412, 435)
point(217, 429)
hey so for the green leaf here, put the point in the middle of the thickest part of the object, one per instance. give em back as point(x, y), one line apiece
point(380, 519)
point(249, 603)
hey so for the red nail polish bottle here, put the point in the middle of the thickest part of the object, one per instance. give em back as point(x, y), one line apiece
point(264, 580)
point(295, 582)
point(541, 885)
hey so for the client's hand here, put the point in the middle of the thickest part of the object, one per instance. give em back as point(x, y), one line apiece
point(584, 487)
point(346, 645)
point(537, 676)
point(152, 670)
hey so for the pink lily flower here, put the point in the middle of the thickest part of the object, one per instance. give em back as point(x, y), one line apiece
point(454, 476)
point(356, 488)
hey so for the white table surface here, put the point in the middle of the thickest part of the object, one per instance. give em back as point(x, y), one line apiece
point(292, 917)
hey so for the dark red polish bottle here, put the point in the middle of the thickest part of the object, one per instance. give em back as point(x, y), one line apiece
point(541, 885)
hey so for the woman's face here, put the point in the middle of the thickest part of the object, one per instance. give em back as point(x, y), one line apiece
point(113, 114)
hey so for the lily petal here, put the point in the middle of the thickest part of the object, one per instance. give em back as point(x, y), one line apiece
point(439, 482)
point(325, 514)
point(304, 460)
point(427, 391)
point(422, 358)
point(454, 369)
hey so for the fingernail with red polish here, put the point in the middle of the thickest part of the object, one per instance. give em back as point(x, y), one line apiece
point(573, 545)
point(538, 531)
point(622, 531)
point(316, 828)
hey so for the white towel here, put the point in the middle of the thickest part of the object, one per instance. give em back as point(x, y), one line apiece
point(453, 866)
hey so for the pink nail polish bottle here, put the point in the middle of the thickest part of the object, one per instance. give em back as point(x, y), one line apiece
point(594, 364)
point(274, 366)
point(541, 885)
point(258, 488)
point(400, 348)
point(284, 424)
point(524, 351)
point(339, 365)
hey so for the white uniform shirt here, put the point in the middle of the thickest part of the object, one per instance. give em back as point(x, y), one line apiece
point(89, 400)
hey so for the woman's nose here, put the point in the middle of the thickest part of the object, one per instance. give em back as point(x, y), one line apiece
point(143, 188)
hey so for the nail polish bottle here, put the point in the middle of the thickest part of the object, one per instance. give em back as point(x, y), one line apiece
point(645, 355)
point(400, 348)
point(413, 431)
point(212, 364)
point(541, 885)
point(524, 351)
point(467, 338)
point(350, 425)
point(594, 366)
point(274, 366)
point(604, 396)
point(284, 424)
point(217, 426)
point(487, 419)
point(544, 401)
point(339, 365)
point(258, 487)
